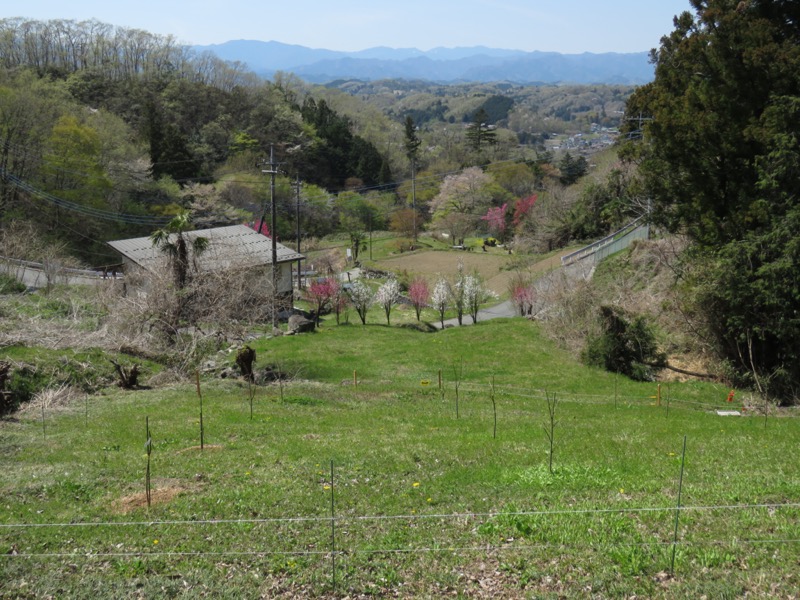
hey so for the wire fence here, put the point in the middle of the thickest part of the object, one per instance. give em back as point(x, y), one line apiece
point(410, 521)
point(358, 531)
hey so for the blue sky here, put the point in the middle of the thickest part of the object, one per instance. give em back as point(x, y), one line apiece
point(568, 26)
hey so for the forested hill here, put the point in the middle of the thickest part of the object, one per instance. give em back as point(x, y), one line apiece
point(123, 122)
point(476, 64)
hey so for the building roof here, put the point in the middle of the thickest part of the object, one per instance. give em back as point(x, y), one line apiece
point(233, 246)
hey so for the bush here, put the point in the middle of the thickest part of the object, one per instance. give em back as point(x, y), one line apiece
point(9, 285)
point(18, 386)
point(625, 345)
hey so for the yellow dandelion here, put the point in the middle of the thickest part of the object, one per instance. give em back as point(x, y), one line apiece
point(326, 487)
point(155, 541)
point(621, 490)
point(415, 484)
point(430, 500)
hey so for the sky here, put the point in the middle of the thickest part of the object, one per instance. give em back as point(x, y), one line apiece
point(566, 26)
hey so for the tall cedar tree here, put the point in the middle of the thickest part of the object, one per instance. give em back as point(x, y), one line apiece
point(721, 158)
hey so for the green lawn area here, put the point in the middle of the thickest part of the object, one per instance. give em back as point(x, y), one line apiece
point(426, 500)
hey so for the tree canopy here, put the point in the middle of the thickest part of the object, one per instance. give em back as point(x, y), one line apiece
point(721, 159)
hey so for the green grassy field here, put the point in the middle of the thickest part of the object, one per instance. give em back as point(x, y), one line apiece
point(389, 486)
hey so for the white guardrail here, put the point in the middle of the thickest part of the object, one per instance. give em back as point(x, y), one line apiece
point(615, 242)
point(35, 274)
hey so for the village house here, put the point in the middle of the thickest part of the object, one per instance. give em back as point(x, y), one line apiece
point(228, 248)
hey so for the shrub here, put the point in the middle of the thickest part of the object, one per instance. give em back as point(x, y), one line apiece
point(9, 285)
point(20, 386)
point(626, 346)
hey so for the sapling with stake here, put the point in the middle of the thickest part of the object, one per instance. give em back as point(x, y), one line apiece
point(494, 409)
point(550, 426)
point(280, 380)
point(251, 393)
point(200, 395)
point(148, 446)
point(458, 370)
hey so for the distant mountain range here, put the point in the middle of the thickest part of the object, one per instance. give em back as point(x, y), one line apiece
point(445, 65)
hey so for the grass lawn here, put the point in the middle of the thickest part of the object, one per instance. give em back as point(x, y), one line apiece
point(426, 500)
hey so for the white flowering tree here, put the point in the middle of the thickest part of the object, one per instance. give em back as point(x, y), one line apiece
point(441, 297)
point(387, 296)
point(361, 297)
point(475, 293)
point(458, 292)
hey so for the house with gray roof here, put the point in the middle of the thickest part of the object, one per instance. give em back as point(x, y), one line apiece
point(229, 248)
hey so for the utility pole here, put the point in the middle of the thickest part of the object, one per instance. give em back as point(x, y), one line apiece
point(414, 195)
point(639, 131)
point(297, 225)
point(272, 171)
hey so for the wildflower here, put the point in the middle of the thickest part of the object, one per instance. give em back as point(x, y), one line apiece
point(415, 484)
point(155, 542)
point(621, 490)
point(326, 487)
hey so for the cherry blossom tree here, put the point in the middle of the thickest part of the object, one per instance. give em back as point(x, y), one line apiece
point(522, 209)
point(475, 293)
point(322, 293)
point(419, 293)
point(362, 298)
point(496, 220)
point(387, 296)
point(523, 296)
point(441, 297)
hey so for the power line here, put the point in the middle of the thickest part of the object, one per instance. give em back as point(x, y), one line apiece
point(80, 208)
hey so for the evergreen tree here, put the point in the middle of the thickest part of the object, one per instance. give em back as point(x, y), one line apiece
point(721, 161)
point(478, 133)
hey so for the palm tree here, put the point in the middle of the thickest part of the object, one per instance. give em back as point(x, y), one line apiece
point(171, 240)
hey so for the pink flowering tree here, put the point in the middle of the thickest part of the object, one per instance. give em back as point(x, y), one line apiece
point(263, 229)
point(321, 294)
point(522, 209)
point(496, 220)
point(340, 303)
point(523, 297)
point(419, 293)
point(523, 294)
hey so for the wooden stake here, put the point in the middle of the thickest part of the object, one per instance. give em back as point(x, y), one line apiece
point(199, 395)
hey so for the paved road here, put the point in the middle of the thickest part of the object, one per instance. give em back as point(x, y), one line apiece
point(500, 311)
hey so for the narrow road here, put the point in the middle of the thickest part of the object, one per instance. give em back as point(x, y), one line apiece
point(499, 311)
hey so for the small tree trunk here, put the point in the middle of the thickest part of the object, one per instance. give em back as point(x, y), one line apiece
point(128, 378)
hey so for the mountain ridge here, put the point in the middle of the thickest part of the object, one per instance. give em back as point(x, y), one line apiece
point(440, 64)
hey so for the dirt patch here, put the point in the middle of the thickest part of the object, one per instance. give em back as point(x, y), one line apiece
point(199, 449)
point(488, 265)
point(429, 264)
point(163, 494)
